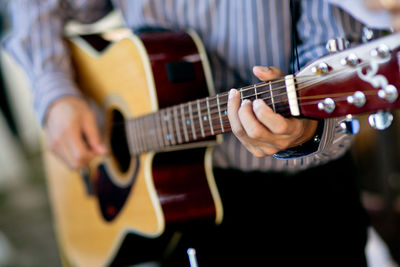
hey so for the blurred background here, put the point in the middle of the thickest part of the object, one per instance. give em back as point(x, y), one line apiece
point(26, 233)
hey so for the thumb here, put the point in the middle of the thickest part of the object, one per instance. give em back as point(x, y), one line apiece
point(267, 73)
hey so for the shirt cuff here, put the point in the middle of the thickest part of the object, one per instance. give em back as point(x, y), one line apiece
point(48, 89)
point(306, 148)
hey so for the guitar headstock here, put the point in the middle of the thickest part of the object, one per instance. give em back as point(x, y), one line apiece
point(362, 79)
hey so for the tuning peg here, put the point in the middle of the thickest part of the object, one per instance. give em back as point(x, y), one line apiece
point(382, 51)
point(351, 60)
point(337, 44)
point(350, 125)
point(321, 69)
point(367, 35)
point(389, 93)
point(358, 99)
point(328, 105)
point(380, 120)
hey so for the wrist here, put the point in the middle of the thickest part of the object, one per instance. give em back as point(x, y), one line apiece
point(306, 148)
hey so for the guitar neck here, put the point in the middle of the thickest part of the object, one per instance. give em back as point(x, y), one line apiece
point(197, 120)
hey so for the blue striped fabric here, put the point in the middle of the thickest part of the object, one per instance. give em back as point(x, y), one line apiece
point(238, 34)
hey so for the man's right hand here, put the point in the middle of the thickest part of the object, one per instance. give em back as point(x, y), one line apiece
point(72, 132)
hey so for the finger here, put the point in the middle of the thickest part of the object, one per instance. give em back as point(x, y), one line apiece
point(267, 73)
point(64, 154)
point(391, 5)
point(265, 150)
point(92, 135)
point(258, 139)
point(275, 123)
point(373, 4)
point(233, 108)
point(251, 125)
point(396, 20)
point(81, 153)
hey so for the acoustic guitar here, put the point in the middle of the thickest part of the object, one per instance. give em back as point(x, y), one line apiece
point(154, 95)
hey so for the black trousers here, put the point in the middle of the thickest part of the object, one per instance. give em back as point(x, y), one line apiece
point(312, 218)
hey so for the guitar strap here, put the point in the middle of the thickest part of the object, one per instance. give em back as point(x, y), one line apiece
point(295, 14)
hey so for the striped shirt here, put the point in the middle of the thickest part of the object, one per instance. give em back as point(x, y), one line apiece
point(238, 34)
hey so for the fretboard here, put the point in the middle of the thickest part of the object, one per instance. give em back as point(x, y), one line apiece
point(196, 120)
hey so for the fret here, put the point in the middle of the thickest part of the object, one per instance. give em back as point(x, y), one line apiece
point(154, 129)
point(171, 134)
point(129, 137)
point(278, 97)
point(184, 124)
point(164, 129)
point(192, 122)
point(209, 115)
point(176, 121)
point(158, 129)
point(141, 135)
point(138, 145)
point(145, 130)
point(220, 115)
point(146, 133)
point(149, 132)
point(272, 96)
point(250, 92)
point(200, 118)
point(135, 136)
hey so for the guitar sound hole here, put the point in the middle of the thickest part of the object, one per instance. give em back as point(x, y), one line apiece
point(118, 141)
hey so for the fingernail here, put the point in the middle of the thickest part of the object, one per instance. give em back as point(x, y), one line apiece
point(246, 102)
point(262, 68)
point(257, 104)
point(232, 93)
point(266, 69)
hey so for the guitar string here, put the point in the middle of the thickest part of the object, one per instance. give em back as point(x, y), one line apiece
point(265, 84)
point(218, 129)
point(252, 87)
point(218, 119)
point(304, 84)
point(203, 102)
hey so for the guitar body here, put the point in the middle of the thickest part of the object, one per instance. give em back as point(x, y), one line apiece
point(121, 193)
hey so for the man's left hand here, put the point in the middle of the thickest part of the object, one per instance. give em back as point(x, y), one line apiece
point(262, 131)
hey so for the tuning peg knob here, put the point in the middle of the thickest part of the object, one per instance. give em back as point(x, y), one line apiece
point(382, 51)
point(321, 69)
point(389, 93)
point(367, 35)
point(337, 44)
point(351, 60)
point(328, 105)
point(358, 99)
point(350, 125)
point(380, 120)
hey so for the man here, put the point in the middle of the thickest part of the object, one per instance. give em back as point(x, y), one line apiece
point(282, 211)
